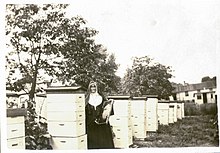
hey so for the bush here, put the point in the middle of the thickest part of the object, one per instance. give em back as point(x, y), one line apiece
point(208, 109)
point(191, 109)
point(36, 135)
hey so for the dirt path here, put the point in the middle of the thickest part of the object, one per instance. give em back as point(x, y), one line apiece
point(196, 131)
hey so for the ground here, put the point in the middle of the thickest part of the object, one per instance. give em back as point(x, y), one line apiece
point(194, 131)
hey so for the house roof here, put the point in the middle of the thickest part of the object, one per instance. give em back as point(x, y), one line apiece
point(193, 87)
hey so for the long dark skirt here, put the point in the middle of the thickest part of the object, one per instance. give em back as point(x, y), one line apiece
point(99, 136)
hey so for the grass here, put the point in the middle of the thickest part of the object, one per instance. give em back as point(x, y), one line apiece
point(194, 131)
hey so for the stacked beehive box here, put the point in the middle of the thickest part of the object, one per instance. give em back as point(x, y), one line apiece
point(163, 112)
point(16, 128)
point(66, 117)
point(151, 113)
point(173, 105)
point(183, 114)
point(179, 110)
point(171, 113)
point(138, 117)
point(121, 121)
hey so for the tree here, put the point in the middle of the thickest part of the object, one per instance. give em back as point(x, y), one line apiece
point(45, 42)
point(109, 82)
point(95, 64)
point(146, 77)
point(33, 32)
point(207, 78)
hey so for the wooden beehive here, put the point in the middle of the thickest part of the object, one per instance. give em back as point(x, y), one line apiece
point(121, 121)
point(179, 110)
point(16, 128)
point(173, 110)
point(163, 112)
point(151, 113)
point(171, 114)
point(138, 117)
point(183, 113)
point(66, 117)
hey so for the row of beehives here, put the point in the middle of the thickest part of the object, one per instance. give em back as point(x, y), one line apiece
point(66, 118)
point(65, 112)
point(135, 117)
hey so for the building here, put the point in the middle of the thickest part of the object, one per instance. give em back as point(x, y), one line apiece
point(199, 93)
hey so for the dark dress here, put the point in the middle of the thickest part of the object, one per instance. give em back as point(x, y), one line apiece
point(99, 136)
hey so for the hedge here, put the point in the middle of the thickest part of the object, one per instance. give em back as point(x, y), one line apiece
point(192, 109)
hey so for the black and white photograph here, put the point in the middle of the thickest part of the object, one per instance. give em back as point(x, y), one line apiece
point(108, 75)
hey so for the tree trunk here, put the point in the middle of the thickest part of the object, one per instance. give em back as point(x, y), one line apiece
point(33, 86)
point(34, 82)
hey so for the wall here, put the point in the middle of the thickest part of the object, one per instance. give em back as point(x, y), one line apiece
point(182, 97)
point(192, 96)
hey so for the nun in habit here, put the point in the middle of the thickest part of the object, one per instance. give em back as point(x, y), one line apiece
point(99, 132)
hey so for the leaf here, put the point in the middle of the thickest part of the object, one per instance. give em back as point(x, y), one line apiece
point(47, 135)
point(146, 77)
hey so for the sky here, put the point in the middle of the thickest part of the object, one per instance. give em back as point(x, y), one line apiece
point(177, 33)
point(182, 34)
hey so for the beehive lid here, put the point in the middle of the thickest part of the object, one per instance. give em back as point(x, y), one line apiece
point(173, 101)
point(152, 96)
point(66, 89)
point(13, 112)
point(119, 97)
point(180, 102)
point(12, 95)
point(139, 98)
point(164, 101)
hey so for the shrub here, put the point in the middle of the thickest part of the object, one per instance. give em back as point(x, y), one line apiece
point(192, 109)
point(208, 109)
point(36, 135)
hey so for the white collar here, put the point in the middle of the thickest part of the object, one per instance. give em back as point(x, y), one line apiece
point(95, 99)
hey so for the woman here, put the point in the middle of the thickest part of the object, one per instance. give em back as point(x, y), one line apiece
point(99, 135)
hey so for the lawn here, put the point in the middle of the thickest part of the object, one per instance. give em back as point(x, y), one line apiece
point(194, 131)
